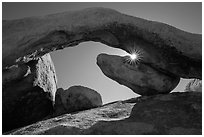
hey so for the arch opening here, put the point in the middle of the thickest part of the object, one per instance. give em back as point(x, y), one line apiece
point(77, 66)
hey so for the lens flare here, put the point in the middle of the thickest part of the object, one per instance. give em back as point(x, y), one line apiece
point(135, 56)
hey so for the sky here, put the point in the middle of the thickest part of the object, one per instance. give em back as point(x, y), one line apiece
point(77, 65)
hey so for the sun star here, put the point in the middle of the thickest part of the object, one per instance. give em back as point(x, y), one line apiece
point(133, 56)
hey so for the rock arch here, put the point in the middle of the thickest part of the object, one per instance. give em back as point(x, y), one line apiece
point(167, 49)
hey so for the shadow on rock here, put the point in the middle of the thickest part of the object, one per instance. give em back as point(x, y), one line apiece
point(175, 113)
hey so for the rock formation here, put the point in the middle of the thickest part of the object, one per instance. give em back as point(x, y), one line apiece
point(166, 48)
point(141, 78)
point(29, 79)
point(28, 92)
point(170, 114)
point(76, 98)
point(194, 85)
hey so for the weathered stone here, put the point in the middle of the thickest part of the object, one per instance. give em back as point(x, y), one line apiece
point(76, 98)
point(142, 78)
point(175, 113)
point(194, 85)
point(165, 47)
point(167, 52)
point(28, 92)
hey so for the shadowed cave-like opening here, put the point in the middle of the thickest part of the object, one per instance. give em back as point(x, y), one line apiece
point(77, 66)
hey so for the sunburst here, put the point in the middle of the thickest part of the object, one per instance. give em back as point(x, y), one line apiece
point(135, 56)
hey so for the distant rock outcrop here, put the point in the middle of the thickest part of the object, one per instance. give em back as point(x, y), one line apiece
point(194, 85)
point(171, 114)
point(28, 92)
point(76, 98)
point(143, 79)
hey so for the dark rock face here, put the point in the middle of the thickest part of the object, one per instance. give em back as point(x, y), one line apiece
point(28, 92)
point(194, 85)
point(171, 114)
point(176, 113)
point(166, 48)
point(76, 98)
point(141, 78)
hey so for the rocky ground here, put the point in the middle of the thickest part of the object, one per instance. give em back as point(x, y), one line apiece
point(175, 114)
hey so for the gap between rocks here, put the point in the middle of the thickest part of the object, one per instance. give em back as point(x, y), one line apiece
point(77, 66)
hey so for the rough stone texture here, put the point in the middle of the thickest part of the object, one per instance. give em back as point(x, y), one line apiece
point(28, 92)
point(172, 113)
point(141, 78)
point(76, 98)
point(194, 85)
point(165, 47)
point(167, 52)
point(175, 113)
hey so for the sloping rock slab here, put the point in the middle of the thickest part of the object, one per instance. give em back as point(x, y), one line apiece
point(175, 113)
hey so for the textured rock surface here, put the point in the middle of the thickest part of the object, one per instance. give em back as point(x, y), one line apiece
point(76, 98)
point(194, 85)
point(175, 113)
point(167, 52)
point(141, 78)
point(28, 92)
point(165, 47)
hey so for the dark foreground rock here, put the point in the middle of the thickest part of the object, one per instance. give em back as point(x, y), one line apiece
point(76, 98)
point(138, 76)
point(28, 92)
point(175, 113)
point(194, 85)
point(165, 47)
